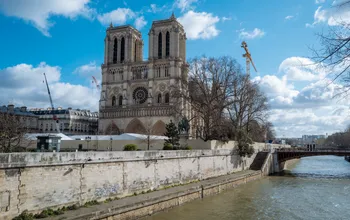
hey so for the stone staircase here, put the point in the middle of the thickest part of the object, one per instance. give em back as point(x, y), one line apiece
point(259, 161)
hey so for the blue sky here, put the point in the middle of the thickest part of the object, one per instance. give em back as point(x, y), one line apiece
point(65, 38)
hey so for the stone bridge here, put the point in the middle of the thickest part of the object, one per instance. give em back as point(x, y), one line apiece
point(275, 159)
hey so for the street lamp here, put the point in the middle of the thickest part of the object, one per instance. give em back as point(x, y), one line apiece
point(88, 139)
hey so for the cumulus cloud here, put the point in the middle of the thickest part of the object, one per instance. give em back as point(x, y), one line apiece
point(319, 1)
point(256, 33)
point(333, 16)
point(289, 17)
point(184, 4)
point(24, 84)
point(38, 13)
point(140, 22)
point(308, 108)
point(302, 69)
point(117, 17)
point(199, 25)
point(89, 70)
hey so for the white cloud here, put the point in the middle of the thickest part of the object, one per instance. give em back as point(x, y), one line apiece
point(89, 70)
point(140, 22)
point(302, 69)
point(154, 8)
point(308, 108)
point(333, 16)
point(319, 1)
point(117, 17)
point(226, 19)
point(289, 17)
point(23, 83)
point(199, 25)
point(256, 33)
point(184, 4)
point(39, 12)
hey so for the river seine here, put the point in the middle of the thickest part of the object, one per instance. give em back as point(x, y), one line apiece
point(315, 188)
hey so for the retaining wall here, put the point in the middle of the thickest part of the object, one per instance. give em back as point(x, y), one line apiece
point(35, 181)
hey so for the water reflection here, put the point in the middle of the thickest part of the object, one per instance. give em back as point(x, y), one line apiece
point(316, 188)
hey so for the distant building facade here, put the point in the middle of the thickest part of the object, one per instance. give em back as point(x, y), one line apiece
point(70, 121)
point(27, 118)
point(136, 94)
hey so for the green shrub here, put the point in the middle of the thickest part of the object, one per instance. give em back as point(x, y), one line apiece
point(24, 216)
point(187, 148)
point(168, 146)
point(130, 147)
point(90, 203)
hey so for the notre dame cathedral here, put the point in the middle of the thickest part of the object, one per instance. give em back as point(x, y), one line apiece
point(136, 94)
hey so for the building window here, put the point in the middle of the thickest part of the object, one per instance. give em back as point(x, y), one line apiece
point(122, 50)
point(159, 100)
point(167, 44)
point(115, 50)
point(135, 52)
point(113, 101)
point(120, 100)
point(167, 98)
point(166, 71)
point(121, 77)
point(158, 72)
point(160, 46)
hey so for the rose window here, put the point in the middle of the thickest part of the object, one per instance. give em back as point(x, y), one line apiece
point(140, 94)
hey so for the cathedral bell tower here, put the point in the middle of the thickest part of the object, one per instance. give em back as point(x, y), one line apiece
point(136, 94)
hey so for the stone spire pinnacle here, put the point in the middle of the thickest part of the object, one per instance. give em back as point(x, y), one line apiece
point(111, 25)
point(172, 17)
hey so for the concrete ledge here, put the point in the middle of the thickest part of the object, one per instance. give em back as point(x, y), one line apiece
point(147, 204)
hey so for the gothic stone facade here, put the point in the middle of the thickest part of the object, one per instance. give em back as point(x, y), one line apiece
point(136, 94)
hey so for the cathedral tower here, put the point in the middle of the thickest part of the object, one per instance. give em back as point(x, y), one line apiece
point(136, 94)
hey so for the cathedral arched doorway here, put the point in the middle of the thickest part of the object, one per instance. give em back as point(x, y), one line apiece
point(135, 126)
point(112, 129)
point(159, 128)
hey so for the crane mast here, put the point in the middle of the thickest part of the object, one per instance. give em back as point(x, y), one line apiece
point(248, 57)
point(53, 108)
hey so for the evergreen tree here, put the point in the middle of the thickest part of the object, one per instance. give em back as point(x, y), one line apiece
point(173, 134)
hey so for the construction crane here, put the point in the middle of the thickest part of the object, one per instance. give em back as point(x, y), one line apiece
point(54, 117)
point(248, 58)
point(95, 82)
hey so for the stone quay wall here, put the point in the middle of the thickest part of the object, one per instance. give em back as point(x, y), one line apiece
point(36, 181)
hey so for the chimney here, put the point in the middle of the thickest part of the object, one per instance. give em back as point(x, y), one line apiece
point(10, 108)
point(23, 109)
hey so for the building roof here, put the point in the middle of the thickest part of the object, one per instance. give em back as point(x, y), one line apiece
point(33, 136)
point(125, 136)
point(16, 111)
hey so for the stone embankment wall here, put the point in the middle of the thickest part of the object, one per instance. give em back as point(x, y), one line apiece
point(35, 181)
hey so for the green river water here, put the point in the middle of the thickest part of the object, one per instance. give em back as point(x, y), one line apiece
point(316, 188)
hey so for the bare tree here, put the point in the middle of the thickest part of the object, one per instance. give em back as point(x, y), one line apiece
point(207, 93)
point(12, 132)
point(249, 105)
point(149, 131)
point(334, 54)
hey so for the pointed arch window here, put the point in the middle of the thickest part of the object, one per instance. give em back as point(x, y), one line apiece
point(166, 98)
point(113, 101)
point(160, 45)
point(122, 50)
point(159, 99)
point(115, 51)
point(135, 52)
point(120, 100)
point(167, 44)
